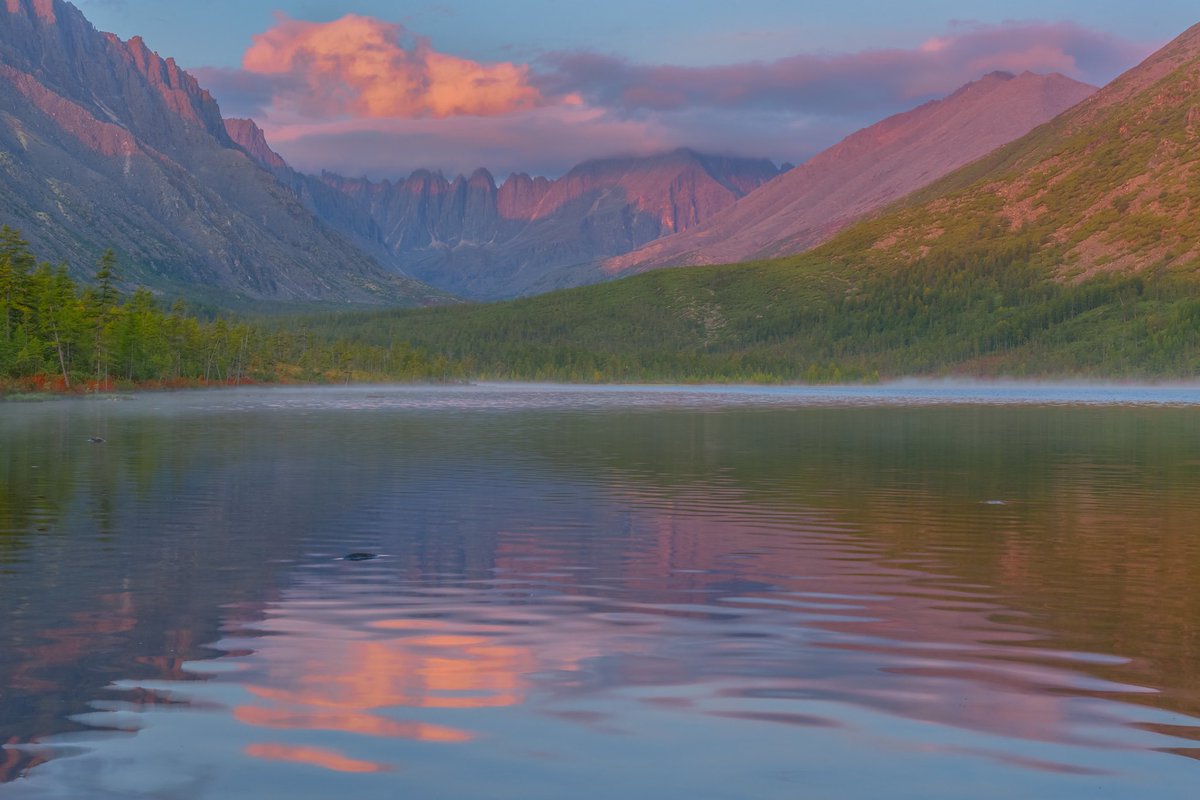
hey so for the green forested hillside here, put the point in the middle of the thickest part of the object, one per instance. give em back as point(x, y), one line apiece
point(56, 334)
point(983, 312)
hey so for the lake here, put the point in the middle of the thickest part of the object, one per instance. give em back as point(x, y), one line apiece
point(908, 591)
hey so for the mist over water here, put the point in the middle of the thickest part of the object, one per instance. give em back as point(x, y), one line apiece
point(643, 592)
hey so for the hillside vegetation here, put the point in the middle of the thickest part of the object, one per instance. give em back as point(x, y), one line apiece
point(984, 312)
point(58, 335)
point(1112, 185)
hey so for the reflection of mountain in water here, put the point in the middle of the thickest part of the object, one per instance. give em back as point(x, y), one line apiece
point(561, 571)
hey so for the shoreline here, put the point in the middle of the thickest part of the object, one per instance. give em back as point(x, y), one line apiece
point(907, 392)
point(39, 391)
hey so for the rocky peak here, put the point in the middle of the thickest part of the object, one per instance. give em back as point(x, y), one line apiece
point(124, 83)
point(658, 184)
point(110, 145)
point(47, 38)
point(425, 182)
point(43, 10)
point(527, 234)
point(246, 134)
point(869, 169)
point(482, 179)
point(181, 91)
point(520, 195)
point(178, 90)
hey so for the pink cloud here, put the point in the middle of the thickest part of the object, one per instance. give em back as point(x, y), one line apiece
point(544, 140)
point(363, 96)
point(364, 67)
point(845, 83)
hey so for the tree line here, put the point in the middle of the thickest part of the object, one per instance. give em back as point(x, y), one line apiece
point(56, 333)
point(987, 309)
point(992, 309)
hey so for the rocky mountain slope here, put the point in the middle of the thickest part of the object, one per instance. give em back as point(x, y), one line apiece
point(529, 235)
point(1113, 185)
point(105, 144)
point(866, 171)
point(473, 237)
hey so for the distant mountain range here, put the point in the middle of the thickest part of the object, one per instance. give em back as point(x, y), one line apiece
point(1074, 250)
point(476, 239)
point(611, 217)
point(103, 143)
point(482, 241)
point(865, 172)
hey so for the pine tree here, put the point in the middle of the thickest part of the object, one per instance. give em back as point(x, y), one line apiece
point(59, 315)
point(16, 263)
point(103, 301)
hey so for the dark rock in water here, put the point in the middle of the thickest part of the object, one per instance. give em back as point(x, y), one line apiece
point(361, 557)
point(95, 440)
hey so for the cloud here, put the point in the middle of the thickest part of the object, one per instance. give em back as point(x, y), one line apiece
point(363, 96)
point(545, 141)
point(846, 83)
point(369, 68)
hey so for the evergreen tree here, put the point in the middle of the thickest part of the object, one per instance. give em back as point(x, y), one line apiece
point(16, 263)
point(103, 300)
point(59, 316)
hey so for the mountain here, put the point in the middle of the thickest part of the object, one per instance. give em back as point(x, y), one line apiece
point(866, 171)
point(1073, 251)
point(1113, 185)
point(103, 143)
point(478, 239)
point(474, 238)
point(345, 215)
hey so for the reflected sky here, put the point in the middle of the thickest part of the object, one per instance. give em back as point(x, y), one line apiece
point(725, 600)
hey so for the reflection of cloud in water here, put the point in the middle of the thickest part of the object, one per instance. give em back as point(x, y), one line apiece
point(780, 619)
point(823, 600)
point(313, 756)
point(347, 722)
point(410, 664)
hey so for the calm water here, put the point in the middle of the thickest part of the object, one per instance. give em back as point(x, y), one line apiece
point(639, 593)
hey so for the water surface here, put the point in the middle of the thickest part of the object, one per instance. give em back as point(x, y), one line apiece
point(925, 591)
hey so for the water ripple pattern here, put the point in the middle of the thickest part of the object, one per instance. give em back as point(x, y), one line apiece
point(925, 591)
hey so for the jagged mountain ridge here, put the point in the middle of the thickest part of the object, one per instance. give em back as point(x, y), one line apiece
point(477, 239)
point(344, 214)
point(105, 144)
point(866, 171)
point(474, 237)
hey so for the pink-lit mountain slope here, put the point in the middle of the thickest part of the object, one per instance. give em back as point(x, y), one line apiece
point(105, 144)
point(473, 237)
point(865, 172)
point(478, 239)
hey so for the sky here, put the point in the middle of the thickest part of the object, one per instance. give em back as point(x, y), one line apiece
point(381, 88)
